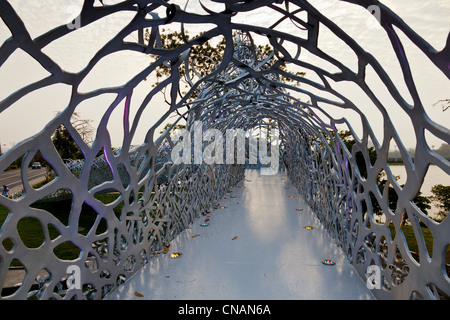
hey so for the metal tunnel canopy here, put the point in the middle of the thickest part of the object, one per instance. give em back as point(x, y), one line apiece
point(272, 74)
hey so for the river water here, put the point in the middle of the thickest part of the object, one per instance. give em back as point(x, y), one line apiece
point(433, 177)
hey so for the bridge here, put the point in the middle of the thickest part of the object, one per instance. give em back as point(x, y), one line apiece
point(269, 175)
point(265, 244)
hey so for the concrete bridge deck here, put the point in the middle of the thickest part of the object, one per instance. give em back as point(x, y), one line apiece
point(255, 248)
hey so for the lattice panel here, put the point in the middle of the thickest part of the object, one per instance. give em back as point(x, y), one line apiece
point(258, 81)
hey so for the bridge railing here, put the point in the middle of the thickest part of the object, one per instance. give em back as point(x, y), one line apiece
point(260, 74)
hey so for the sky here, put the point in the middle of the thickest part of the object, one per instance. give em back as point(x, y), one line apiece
point(28, 116)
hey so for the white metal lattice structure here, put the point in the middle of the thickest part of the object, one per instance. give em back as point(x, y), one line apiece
point(244, 89)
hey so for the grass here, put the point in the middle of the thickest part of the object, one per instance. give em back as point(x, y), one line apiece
point(31, 232)
point(411, 241)
point(32, 235)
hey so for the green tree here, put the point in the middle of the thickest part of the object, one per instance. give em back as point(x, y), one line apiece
point(422, 202)
point(65, 144)
point(441, 194)
point(444, 150)
point(349, 142)
point(176, 127)
point(204, 57)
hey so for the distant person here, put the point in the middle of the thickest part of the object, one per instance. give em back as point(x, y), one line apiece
point(5, 191)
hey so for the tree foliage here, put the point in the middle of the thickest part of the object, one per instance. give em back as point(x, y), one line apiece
point(444, 150)
point(444, 103)
point(204, 58)
point(64, 142)
point(422, 202)
point(441, 194)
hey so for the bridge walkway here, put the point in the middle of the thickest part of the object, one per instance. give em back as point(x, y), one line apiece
point(256, 247)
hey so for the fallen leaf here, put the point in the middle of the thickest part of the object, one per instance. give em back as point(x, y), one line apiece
point(197, 235)
point(165, 250)
point(175, 255)
point(234, 238)
point(291, 196)
point(137, 294)
point(222, 207)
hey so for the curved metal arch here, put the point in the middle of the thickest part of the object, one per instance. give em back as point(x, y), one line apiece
point(159, 199)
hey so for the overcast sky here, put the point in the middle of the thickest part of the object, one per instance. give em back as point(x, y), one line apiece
point(28, 116)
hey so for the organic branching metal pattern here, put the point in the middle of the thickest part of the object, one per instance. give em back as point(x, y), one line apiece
point(242, 91)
